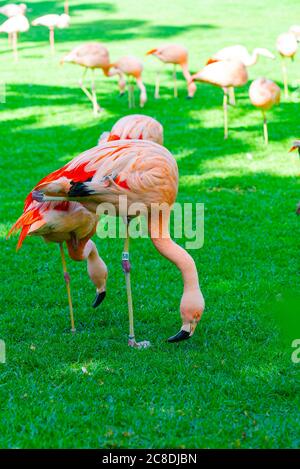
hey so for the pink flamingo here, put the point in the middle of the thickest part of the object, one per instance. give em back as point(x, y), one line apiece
point(51, 22)
point(74, 224)
point(91, 56)
point(287, 47)
point(264, 94)
point(132, 68)
point(13, 9)
point(13, 26)
point(175, 54)
point(134, 126)
point(146, 173)
point(225, 74)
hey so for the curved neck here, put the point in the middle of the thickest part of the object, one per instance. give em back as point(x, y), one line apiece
point(252, 58)
point(186, 72)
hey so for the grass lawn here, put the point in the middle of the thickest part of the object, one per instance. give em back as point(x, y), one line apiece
point(234, 384)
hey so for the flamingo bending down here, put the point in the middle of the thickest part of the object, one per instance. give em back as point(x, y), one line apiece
point(175, 54)
point(134, 126)
point(51, 22)
point(13, 9)
point(13, 26)
point(91, 56)
point(241, 53)
point(132, 68)
point(225, 74)
point(287, 47)
point(146, 173)
point(264, 94)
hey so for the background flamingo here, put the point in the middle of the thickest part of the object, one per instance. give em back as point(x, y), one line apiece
point(241, 53)
point(91, 56)
point(287, 47)
point(132, 68)
point(264, 94)
point(174, 54)
point(224, 74)
point(13, 9)
point(146, 173)
point(13, 26)
point(135, 126)
point(295, 29)
point(51, 22)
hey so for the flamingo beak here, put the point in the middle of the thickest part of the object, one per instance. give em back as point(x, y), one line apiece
point(183, 334)
point(98, 299)
point(151, 51)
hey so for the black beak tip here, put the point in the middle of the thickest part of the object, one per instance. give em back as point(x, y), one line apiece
point(181, 335)
point(99, 298)
point(189, 97)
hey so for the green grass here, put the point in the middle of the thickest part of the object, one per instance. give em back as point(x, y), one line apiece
point(233, 385)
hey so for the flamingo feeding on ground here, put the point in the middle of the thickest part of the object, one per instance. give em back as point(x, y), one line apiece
point(13, 9)
point(264, 94)
point(287, 47)
point(134, 126)
point(132, 68)
point(90, 56)
point(224, 74)
point(51, 22)
point(175, 54)
point(242, 54)
point(13, 26)
point(143, 172)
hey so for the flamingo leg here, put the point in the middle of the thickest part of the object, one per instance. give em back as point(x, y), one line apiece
point(51, 40)
point(66, 7)
point(231, 96)
point(131, 102)
point(225, 107)
point(175, 82)
point(156, 93)
point(67, 280)
point(96, 107)
point(266, 136)
point(126, 269)
point(285, 78)
point(15, 46)
point(84, 89)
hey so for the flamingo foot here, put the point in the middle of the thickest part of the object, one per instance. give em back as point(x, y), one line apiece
point(139, 345)
point(99, 298)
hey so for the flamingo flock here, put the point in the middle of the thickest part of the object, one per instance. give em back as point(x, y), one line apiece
point(130, 159)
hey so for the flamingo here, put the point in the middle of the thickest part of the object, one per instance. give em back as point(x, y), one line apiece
point(91, 56)
point(287, 47)
point(144, 172)
point(175, 54)
point(134, 126)
point(13, 26)
point(74, 224)
point(13, 9)
point(242, 54)
point(132, 68)
point(224, 74)
point(264, 94)
point(295, 29)
point(51, 22)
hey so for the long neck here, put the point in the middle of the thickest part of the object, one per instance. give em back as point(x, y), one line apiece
point(252, 58)
point(183, 261)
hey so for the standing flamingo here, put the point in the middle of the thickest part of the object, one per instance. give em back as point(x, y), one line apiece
point(13, 9)
point(132, 67)
point(241, 53)
point(287, 47)
point(134, 126)
point(264, 94)
point(51, 22)
point(175, 54)
point(13, 26)
point(144, 172)
point(224, 74)
point(90, 56)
